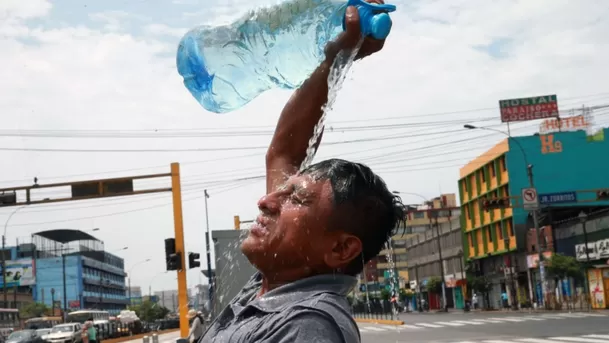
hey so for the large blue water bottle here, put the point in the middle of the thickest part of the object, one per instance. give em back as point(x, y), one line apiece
point(225, 67)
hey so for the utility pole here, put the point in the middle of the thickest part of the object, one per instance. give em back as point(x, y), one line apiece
point(65, 287)
point(5, 289)
point(210, 278)
point(542, 272)
point(444, 306)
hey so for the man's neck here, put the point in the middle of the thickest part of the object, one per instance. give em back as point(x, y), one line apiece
point(272, 280)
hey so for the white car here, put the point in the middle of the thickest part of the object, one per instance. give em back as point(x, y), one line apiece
point(65, 333)
point(43, 333)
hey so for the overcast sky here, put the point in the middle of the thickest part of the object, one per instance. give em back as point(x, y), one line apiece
point(89, 89)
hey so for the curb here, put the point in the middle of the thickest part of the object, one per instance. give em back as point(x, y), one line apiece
point(138, 336)
point(379, 321)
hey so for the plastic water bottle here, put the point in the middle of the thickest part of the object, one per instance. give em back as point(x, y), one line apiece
point(225, 67)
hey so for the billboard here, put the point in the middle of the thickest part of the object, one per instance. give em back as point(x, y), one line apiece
point(537, 107)
point(19, 273)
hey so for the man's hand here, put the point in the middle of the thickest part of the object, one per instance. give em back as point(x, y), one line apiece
point(349, 39)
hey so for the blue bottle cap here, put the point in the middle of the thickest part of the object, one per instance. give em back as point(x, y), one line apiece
point(380, 26)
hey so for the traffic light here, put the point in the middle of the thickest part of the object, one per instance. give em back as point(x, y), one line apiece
point(193, 260)
point(493, 203)
point(172, 258)
point(8, 199)
point(602, 194)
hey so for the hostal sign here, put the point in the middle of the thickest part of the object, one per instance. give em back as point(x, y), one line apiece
point(538, 107)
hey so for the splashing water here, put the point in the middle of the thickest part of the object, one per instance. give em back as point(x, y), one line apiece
point(393, 282)
point(340, 68)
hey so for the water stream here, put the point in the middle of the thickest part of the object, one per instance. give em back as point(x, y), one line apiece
point(340, 68)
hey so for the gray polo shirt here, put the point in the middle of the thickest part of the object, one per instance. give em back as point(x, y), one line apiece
point(311, 310)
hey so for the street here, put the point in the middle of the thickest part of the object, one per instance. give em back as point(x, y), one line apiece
point(493, 327)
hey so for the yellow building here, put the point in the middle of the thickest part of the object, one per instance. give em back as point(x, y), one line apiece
point(418, 220)
point(486, 232)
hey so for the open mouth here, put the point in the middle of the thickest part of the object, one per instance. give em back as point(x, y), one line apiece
point(259, 228)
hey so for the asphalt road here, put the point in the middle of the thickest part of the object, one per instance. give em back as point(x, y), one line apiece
point(485, 327)
point(493, 327)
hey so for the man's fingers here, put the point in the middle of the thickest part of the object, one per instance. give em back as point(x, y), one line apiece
point(352, 26)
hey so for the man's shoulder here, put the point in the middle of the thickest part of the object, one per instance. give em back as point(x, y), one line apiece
point(333, 307)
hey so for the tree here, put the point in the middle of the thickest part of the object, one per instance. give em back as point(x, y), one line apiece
point(33, 310)
point(562, 267)
point(385, 294)
point(434, 285)
point(480, 284)
point(150, 311)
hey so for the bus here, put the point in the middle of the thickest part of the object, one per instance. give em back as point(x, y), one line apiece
point(82, 316)
point(42, 323)
point(9, 321)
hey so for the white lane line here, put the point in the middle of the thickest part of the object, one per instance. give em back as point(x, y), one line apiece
point(488, 321)
point(579, 339)
point(533, 318)
point(598, 336)
point(374, 329)
point(449, 323)
point(427, 325)
point(406, 326)
point(552, 316)
point(507, 319)
point(467, 322)
point(534, 340)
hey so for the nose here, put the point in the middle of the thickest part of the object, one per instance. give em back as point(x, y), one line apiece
point(269, 204)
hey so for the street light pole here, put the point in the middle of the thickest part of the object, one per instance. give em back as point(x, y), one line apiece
point(583, 217)
point(4, 286)
point(529, 171)
point(208, 252)
point(129, 276)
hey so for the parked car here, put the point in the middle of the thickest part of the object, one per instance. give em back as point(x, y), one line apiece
point(65, 333)
point(43, 333)
point(24, 336)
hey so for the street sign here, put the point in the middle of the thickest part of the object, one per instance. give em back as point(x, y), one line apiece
point(537, 107)
point(530, 201)
point(557, 198)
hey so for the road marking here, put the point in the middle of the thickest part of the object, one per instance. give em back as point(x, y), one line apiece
point(449, 323)
point(429, 325)
point(533, 318)
point(534, 340)
point(488, 321)
point(552, 316)
point(374, 329)
point(498, 341)
point(598, 336)
point(409, 327)
point(580, 339)
point(507, 319)
point(467, 322)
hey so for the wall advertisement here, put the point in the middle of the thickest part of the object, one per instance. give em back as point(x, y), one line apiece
point(597, 289)
point(19, 273)
point(596, 250)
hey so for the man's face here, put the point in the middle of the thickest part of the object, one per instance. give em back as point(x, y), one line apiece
point(292, 230)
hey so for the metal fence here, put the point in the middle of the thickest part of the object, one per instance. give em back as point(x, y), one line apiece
point(375, 309)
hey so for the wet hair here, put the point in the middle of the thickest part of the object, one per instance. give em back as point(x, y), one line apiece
point(364, 206)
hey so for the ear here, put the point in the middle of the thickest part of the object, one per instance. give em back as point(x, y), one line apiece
point(345, 248)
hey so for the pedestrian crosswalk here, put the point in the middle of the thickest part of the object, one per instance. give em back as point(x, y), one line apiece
point(558, 339)
point(472, 322)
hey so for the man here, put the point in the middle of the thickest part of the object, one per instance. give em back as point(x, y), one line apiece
point(316, 229)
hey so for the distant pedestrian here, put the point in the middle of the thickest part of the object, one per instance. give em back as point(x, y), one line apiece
point(196, 328)
point(91, 331)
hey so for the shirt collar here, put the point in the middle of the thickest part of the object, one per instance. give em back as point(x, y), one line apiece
point(291, 293)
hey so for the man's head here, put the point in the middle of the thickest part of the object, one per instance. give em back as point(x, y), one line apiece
point(333, 216)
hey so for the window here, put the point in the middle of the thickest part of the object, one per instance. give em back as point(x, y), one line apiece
point(499, 232)
point(510, 231)
point(506, 191)
point(468, 213)
point(492, 169)
point(502, 163)
point(470, 240)
point(419, 215)
point(489, 234)
point(482, 175)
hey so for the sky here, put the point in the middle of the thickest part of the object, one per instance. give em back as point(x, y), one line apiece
point(90, 90)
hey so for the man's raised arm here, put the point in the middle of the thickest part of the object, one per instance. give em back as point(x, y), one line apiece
point(302, 112)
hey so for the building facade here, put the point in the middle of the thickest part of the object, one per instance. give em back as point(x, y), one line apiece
point(419, 219)
point(68, 270)
point(424, 252)
point(567, 172)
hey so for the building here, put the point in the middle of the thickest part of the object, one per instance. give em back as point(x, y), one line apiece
point(134, 294)
point(419, 219)
point(66, 270)
point(424, 252)
point(73, 271)
point(568, 170)
point(168, 299)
